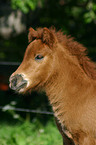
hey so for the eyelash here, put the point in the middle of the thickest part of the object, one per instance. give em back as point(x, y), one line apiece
point(39, 57)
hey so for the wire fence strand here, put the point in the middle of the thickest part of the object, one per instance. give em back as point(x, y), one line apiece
point(28, 110)
point(9, 63)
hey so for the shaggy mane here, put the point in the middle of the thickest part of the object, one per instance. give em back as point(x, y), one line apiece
point(74, 47)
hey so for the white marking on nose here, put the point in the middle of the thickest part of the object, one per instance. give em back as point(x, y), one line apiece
point(25, 78)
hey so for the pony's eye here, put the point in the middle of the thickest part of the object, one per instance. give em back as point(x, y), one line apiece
point(39, 57)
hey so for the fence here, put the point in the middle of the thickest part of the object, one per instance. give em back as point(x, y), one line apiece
point(28, 110)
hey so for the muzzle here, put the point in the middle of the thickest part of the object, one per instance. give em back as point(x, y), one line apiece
point(17, 82)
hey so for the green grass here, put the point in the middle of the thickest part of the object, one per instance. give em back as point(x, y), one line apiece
point(29, 134)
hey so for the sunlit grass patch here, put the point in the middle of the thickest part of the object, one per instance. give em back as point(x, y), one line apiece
point(29, 134)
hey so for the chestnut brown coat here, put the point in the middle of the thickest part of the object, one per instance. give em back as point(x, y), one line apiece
point(58, 65)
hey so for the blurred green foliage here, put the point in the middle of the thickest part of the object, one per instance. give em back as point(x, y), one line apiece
point(29, 134)
point(26, 5)
point(90, 15)
point(87, 7)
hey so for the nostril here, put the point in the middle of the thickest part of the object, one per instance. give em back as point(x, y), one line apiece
point(14, 82)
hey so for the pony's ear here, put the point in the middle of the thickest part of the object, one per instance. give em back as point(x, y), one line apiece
point(49, 38)
point(32, 34)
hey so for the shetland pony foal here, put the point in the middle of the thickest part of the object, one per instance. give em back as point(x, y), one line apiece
point(58, 65)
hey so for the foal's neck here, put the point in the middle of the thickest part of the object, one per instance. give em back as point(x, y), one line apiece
point(65, 90)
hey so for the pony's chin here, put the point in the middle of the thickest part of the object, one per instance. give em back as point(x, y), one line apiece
point(36, 86)
point(21, 91)
point(31, 88)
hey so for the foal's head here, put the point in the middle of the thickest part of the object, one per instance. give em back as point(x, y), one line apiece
point(37, 65)
point(47, 54)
